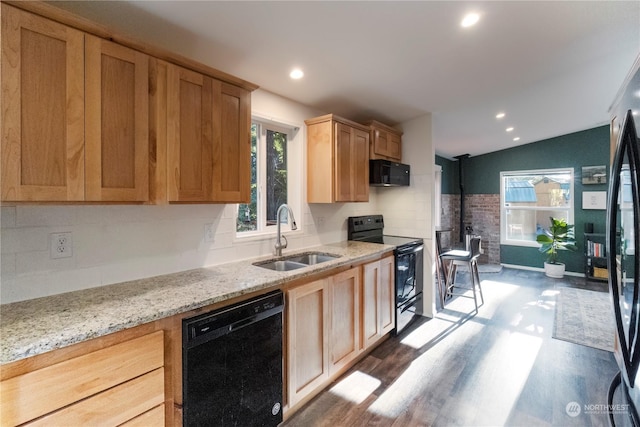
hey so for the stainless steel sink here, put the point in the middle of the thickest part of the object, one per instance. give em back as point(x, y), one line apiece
point(313, 258)
point(293, 262)
point(280, 265)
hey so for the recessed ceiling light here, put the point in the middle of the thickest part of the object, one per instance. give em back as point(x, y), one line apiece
point(517, 138)
point(469, 20)
point(500, 115)
point(296, 74)
point(509, 129)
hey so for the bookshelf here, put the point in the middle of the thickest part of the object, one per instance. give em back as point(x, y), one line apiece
point(595, 256)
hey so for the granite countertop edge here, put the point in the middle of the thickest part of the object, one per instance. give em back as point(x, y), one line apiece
point(36, 326)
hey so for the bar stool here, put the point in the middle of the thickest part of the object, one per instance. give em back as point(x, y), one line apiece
point(469, 257)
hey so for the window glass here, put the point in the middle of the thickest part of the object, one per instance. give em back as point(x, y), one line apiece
point(269, 176)
point(529, 199)
point(276, 169)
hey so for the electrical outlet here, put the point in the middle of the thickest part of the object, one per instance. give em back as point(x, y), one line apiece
point(320, 221)
point(209, 233)
point(60, 245)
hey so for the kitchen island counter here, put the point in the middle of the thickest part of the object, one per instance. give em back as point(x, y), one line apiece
point(36, 326)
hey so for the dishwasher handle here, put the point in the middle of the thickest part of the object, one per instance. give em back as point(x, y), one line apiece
point(214, 324)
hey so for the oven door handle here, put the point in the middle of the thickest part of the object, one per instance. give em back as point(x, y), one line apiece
point(409, 250)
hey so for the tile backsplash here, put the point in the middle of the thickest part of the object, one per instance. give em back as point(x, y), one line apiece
point(116, 243)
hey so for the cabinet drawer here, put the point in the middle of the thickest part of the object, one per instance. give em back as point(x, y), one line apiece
point(153, 417)
point(40, 392)
point(114, 406)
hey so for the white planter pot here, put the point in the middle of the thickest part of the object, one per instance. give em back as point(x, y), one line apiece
point(554, 270)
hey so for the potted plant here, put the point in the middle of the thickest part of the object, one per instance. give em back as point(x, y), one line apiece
point(559, 237)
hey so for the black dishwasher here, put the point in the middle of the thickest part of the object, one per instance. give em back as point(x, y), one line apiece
point(232, 365)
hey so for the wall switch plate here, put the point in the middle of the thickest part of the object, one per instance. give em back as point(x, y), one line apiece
point(60, 245)
point(209, 233)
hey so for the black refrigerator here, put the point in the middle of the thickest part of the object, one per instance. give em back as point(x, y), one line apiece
point(623, 233)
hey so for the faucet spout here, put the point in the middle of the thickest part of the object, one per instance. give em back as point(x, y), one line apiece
point(279, 237)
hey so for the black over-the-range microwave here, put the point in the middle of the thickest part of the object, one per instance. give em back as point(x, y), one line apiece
point(385, 173)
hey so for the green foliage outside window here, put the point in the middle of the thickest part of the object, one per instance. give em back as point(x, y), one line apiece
point(275, 180)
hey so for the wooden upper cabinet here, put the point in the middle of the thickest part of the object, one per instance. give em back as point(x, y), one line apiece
point(189, 135)
point(231, 144)
point(42, 107)
point(75, 114)
point(386, 142)
point(117, 122)
point(208, 139)
point(337, 160)
point(80, 123)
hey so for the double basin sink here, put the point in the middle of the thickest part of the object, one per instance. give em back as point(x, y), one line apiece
point(294, 262)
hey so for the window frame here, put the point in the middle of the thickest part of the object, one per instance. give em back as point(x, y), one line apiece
point(293, 177)
point(503, 208)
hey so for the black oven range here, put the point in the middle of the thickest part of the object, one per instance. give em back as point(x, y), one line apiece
point(409, 269)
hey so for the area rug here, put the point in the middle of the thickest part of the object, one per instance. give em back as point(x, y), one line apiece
point(584, 317)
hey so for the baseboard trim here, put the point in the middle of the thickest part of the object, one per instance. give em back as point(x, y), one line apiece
point(524, 267)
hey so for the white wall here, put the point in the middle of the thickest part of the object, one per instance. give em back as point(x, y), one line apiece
point(409, 211)
point(113, 243)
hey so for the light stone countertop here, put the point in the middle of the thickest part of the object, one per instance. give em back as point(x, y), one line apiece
point(32, 327)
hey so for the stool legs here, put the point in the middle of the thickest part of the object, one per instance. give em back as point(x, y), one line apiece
point(476, 281)
point(474, 277)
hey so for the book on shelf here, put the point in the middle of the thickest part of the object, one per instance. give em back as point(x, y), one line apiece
point(596, 249)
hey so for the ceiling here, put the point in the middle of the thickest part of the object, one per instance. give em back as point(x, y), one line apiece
point(552, 67)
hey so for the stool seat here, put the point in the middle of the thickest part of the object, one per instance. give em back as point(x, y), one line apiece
point(457, 255)
point(470, 257)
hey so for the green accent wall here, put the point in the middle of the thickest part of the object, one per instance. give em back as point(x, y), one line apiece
point(449, 175)
point(584, 148)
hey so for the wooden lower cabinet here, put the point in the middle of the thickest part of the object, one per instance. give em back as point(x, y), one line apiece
point(307, 349)
point(344, 324)
point(134, 377)
point(153, 417)
point(378, 304)
point(331, 322)
point(113, 385)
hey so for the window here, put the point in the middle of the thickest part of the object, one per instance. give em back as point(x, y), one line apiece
point(529, 198)
point(269, 178)
point(438, 195)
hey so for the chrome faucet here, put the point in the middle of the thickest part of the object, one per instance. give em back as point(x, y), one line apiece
point(279, 245)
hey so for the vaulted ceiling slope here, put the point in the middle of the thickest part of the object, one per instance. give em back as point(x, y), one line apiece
point(554, 67)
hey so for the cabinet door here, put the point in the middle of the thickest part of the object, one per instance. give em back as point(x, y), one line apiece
point(380, 142)
point(117, 122)
point(352, 164)
point(360, 166)
point(308, 357)
point(387, 310)
point(231, 144)
point(42, 109)
point(395, 146)
point(189, 136)
point(370, 304)
point(378, 304)
point(344, 329)
point(344, 159)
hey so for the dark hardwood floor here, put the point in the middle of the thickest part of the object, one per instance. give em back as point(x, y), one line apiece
point(497, 367)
